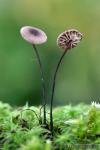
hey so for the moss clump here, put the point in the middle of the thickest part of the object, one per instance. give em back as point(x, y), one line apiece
point(75, 127)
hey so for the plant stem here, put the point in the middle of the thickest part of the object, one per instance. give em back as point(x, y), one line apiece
point(53, 90)
point(43, 83)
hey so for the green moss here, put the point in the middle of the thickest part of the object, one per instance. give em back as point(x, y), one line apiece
point(75, 127)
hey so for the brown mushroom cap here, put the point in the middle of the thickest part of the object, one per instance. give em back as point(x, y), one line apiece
point(69, 39)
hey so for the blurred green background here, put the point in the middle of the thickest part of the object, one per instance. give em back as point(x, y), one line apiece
point(79, 75)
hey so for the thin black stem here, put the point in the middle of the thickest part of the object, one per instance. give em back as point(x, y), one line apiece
point(53, 90)
point(43, 83)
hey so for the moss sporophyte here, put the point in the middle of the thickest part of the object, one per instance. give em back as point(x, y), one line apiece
point(66, 40)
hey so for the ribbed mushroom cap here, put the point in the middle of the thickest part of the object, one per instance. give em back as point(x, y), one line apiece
point(69, 39)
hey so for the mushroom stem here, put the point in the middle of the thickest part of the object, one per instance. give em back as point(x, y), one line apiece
point(53, 90)
point(43, 84)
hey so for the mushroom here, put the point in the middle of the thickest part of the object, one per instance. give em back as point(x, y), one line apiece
point(66, 40)
point(36, 36)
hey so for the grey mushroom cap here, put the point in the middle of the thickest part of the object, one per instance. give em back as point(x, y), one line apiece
point(33, 35)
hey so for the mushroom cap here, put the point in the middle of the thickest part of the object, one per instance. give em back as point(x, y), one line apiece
point(33, 35)
point(69, 39)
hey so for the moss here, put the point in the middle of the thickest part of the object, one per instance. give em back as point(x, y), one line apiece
point(75, 127)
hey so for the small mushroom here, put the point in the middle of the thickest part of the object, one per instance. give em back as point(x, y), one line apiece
point(66, 40)
point(36, 36)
